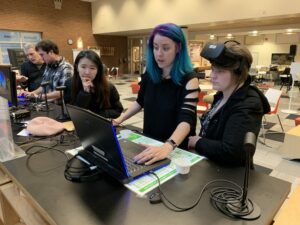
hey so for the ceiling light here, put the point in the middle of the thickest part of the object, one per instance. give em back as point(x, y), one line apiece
point(229, 36)
point(289, 31)
point(253, 33)
point(212, 37)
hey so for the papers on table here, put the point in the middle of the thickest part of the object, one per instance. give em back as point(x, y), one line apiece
point(148, 182)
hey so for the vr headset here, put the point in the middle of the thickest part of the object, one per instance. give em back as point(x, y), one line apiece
point(220, 55)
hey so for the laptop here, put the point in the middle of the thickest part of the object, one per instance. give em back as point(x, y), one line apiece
point(103, 149)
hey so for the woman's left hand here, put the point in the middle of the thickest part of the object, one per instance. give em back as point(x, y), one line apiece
point(153, 153)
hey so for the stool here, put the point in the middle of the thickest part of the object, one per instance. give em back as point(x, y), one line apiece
point(135, 87)
point(297, 121)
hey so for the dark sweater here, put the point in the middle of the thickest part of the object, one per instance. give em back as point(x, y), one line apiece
point(163, 107)
point(34, 73)
point(223, 140)
point(88, 101)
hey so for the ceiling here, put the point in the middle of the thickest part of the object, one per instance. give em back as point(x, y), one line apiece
point(242, 27)
point(268, 25)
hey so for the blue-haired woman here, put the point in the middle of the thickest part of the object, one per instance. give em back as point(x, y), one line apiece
point(168, 93)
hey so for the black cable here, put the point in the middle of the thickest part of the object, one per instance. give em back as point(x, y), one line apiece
point(44, 149)
point(227, 200)
point(85, 173)
point(70, 141)
point(30, 140)
point(176, 208)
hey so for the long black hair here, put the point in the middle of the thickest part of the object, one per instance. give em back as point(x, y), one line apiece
point(100, 82)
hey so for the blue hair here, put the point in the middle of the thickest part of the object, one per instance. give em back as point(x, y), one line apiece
point(181, 64)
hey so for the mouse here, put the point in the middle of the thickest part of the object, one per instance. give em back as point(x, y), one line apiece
point(155, 198)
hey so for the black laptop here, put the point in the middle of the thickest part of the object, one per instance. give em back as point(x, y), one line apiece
point(103, 149)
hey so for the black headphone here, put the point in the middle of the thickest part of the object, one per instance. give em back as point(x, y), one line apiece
point(55, 64)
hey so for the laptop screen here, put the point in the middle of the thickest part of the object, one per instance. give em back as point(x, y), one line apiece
point(98, 136)
point(102, 147)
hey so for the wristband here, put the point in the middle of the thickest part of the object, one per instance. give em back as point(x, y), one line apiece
point(172, 143)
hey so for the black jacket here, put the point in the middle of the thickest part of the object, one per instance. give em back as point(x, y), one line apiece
point(223, 141)
point(88, 101)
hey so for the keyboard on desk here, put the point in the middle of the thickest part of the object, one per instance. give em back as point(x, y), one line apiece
point(132, 167)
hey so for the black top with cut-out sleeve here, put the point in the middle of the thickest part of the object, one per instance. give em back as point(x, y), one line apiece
point(165, 106)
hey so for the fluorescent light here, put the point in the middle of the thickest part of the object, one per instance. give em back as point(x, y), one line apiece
point(289, 31)
point(254, 33)
point(229, 36)
point(212, 37)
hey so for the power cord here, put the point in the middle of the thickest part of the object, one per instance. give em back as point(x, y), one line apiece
point(84, 173)
point(42, 149)
point(227, 200)
point(30, 140)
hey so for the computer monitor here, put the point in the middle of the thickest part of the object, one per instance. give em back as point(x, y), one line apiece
point(16, 57)
point(282, 59)
point(8, 88)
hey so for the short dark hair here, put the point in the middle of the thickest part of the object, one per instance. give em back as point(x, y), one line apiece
point(242, 51)
point(47, 46)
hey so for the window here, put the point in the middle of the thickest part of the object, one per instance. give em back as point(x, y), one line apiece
point(15, 39)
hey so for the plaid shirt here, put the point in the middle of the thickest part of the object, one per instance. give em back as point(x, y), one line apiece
point(57, 75)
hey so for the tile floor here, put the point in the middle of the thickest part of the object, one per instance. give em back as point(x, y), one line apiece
point(266, 155)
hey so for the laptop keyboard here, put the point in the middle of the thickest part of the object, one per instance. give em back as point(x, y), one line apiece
point(131, 165)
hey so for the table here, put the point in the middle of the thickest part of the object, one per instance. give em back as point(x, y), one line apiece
point(36, 191)
point(106, 201)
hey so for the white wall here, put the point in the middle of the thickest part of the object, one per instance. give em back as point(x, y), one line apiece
point(129, 15)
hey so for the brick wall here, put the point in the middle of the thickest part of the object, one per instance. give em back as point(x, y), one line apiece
point(71, 22)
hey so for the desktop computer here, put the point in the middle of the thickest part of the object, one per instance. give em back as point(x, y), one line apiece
point(16, 57)
point(8, 86)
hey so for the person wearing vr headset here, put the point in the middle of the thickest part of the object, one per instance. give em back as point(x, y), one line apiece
point(90, 88)
point(168, 93)
point(58, 71)
point(238, 107)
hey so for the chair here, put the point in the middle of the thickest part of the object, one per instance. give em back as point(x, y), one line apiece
point(135, 87)
point(114, 72)
point(202, 106)
point(295, 73)
point(262, 73)
point(253, 74)
point(297, 121)
point(286, 79)
point(273, 96)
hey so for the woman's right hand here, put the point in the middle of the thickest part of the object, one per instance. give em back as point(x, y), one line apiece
point(87, 85)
